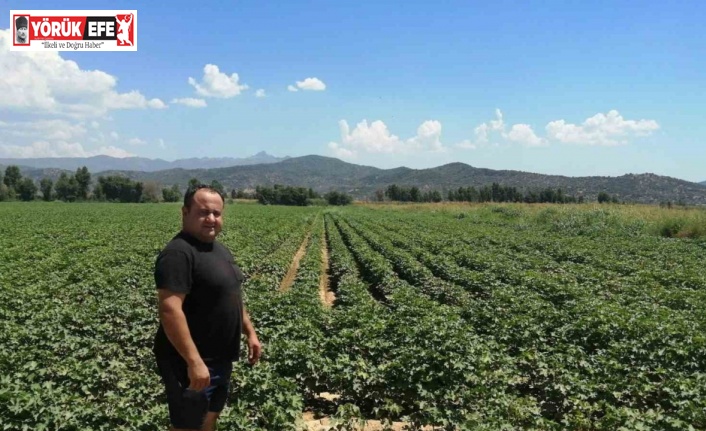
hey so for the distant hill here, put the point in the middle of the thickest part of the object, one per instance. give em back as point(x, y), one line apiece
point(324, 174)
point(107, 163)
point(703, 183)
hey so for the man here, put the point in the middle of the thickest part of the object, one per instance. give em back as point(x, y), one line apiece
point(201, 315)
point(21, 25)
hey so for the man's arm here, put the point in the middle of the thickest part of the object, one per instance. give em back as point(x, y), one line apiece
point(254, 347)
point(173, 320)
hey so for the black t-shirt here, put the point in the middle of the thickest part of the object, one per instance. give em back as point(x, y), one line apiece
point(208, 275)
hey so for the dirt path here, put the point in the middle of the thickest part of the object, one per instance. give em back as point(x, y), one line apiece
point(325, 293)
point(324, 424)
point(288, 279)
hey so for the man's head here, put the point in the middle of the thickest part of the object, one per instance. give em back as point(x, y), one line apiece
point(21, 27)
point(202, 213)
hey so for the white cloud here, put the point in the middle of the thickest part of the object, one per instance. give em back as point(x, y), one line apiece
point(524, 135)
point(161, 144)
point(156, 104)
point(311, 84)
point(428, 137)
point(601, 129)
point(190, 102)
point(131, 100)
point(136, 141)
point(45, 83)
point(111, 151)
point(340, 152)
point(292, 88)
point(483, 131)
point(55, 130)
point(218, 84)
point(260, 93)
point(114, 135)
point(376, 138)
point(58, 149)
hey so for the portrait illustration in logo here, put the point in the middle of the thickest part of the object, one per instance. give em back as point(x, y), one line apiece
point(124, 29)
point(21, 30)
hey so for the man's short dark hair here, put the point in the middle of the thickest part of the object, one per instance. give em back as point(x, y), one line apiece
point(189, 195)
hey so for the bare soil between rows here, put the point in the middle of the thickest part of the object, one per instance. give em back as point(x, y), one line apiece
point(288, 279)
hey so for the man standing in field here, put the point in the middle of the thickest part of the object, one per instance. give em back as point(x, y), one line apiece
point(201, 315)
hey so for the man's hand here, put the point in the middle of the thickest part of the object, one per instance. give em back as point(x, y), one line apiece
point(254, 349)
point(199, 377)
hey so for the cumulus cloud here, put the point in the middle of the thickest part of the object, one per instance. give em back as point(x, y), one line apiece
point(428, 137)
point(483, 131)
point(260, 93)
point(190, 102)
point(217, 84)
point(56, 138)
point(55, 130)
point(311, 84)
point(524, 135)
point(601, 129)
point(44, 83)
point(377, 138)
point(292, 88)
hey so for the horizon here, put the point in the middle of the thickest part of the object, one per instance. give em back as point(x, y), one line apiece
point(330, 157)
point(603, 89)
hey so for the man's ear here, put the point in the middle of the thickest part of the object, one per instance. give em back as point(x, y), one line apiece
point(184, 211)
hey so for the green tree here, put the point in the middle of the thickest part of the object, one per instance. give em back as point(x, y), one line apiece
point(172, 194)
point(27, 189)
point(603, 197)
point(46, 185)
point(217, 186)
point(3, 192)
point(338, 198)
point(282, 195)
point(393, 192)
point(415, 195)
point(66, 188)
point(83, 180)
point(120, 189)
point(12, 176)
point(193, 183)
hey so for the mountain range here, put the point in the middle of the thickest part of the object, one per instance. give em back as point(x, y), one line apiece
point(107, 163)
point(324, 174)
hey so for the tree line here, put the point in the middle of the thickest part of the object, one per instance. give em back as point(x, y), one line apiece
point(298, 196)
point(76, 187)
point(489, 193)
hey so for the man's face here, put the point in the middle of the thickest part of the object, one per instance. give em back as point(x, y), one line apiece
point(22, 32)
point(204, 220)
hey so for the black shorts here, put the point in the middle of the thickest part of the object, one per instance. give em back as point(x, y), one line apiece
point(188, 408)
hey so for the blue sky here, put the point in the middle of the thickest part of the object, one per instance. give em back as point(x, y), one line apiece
point(571, 88)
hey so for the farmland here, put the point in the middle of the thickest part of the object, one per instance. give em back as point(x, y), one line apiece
point(456, 316)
